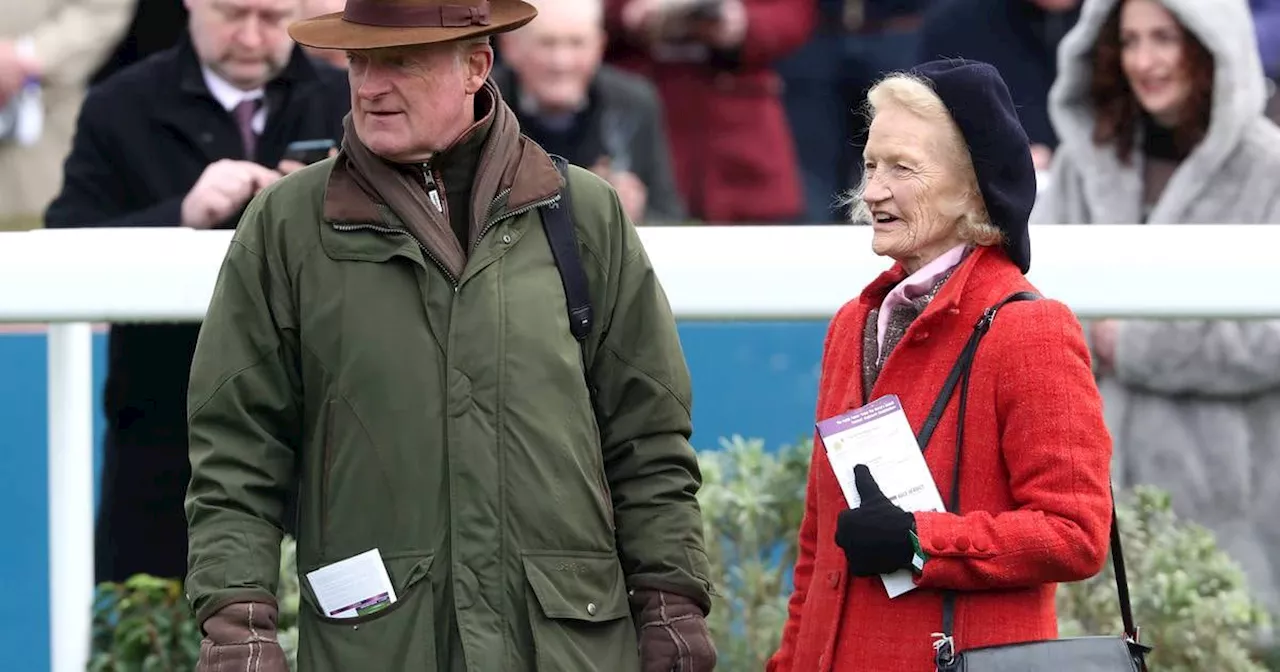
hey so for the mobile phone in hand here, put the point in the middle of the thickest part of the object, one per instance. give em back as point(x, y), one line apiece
point(308, 151)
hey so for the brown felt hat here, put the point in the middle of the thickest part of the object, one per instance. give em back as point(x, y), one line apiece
point(375, 24)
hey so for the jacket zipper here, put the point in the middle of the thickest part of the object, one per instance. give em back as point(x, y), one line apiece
point(434, 188)
point(433, 193)
point(401, 232)
point(508, 215)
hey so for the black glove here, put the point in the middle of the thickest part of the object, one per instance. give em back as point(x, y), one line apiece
point(876, 536)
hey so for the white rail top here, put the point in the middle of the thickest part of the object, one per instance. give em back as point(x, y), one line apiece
point(711, 272)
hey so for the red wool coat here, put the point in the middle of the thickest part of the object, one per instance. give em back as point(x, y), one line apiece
point(1035, 480)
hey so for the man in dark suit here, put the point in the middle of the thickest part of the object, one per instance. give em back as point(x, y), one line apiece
point(183, 138)
point(596, 116)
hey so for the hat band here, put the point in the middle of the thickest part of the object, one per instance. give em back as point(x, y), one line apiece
point(396, 15)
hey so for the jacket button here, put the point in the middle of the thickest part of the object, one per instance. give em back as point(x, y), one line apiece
point(939, 543)
point(920, 337)
point(591, 609)
point(506, 238)
point(962, 544)
point(833, 579)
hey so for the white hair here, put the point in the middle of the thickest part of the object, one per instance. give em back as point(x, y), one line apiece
point(913, 94)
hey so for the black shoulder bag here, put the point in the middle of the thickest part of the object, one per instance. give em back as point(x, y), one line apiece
point(1078, 654)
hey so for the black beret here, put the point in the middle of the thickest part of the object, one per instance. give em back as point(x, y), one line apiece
point(979, 102)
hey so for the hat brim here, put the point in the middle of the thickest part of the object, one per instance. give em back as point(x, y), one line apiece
point(330, 31)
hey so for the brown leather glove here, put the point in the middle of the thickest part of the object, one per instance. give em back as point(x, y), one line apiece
point(673, 633)
point(242, 636)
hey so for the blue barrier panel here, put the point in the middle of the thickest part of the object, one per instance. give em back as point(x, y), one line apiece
point(754, 379)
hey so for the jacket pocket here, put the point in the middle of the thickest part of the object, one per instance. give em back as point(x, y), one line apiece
point(579, 613)
point(400, 636)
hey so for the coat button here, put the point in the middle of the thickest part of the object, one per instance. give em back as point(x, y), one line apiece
point(506, 238)
point(962, 544)
point(939, 543)
point(591, 609)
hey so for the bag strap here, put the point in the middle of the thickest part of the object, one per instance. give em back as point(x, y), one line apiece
point(959, 375)
point(557, 221)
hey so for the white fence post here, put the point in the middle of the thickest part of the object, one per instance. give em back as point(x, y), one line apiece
point(70, 494)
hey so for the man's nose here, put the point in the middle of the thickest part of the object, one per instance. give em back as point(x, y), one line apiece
point(372, 82)
point(250, 34)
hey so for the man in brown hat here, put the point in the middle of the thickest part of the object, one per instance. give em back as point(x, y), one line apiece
point(473, 382)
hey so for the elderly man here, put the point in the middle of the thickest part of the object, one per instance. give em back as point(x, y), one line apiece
point(184, 138)
point(594, 115)
point(470, 369)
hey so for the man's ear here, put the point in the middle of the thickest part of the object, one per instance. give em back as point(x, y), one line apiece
point(479, 63)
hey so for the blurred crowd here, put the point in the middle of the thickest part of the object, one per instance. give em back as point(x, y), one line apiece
point(714, 111)
point(161, 113)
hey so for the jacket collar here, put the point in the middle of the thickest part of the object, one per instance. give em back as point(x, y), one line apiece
point(512, 172)
point(976, 283)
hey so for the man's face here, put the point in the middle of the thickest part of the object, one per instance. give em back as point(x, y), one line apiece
point(246, 42)
point(557, 54)
point(408, 103)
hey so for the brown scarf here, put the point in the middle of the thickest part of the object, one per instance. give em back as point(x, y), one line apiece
point(406, 199)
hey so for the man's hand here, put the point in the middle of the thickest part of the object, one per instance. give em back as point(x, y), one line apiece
point(223, 188)
point(242, 636)
point(673, 633)
point(631, 191)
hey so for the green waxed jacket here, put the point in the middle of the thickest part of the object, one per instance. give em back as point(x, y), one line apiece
point(447, 424)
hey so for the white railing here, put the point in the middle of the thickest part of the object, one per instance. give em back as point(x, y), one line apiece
point(75, 277)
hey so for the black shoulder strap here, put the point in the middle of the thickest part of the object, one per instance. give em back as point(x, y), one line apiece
point(557, 220)
point(960, 375)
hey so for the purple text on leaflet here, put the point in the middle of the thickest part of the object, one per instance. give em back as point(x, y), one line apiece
point(860, 416)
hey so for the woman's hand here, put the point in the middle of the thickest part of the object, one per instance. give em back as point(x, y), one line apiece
point(876, 536)
point(1105, 334)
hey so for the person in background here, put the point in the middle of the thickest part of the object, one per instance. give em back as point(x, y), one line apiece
point(183, 138)
point(1159, 105)
point(48, 51)
point(1020, 38)
point(594, 115)
point(389, 333)
point(948, 185)
point(314, 8)
point(713, 64)
point(854, 43)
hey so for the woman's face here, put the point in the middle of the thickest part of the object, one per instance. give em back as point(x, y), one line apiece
point(913, 191)
point(1153, 55)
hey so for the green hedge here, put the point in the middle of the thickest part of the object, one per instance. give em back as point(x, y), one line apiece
point(1190, 599)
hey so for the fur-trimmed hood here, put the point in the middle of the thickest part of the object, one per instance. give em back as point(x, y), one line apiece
point(1090, 182)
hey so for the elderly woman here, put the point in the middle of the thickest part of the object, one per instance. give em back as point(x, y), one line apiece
point(1160, 107)
point(948, 188)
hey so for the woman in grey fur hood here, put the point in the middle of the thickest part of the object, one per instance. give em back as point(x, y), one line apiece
point(1160, 107)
